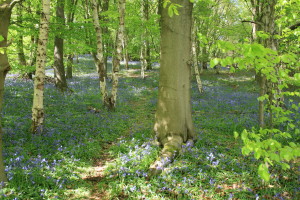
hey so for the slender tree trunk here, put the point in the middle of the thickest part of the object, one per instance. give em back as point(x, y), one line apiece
point(195, 60)
point(33, 50)
point(104, 7)
point(99, 56)
point(59, 68)
point(69, 73)
point(264, 17)
point(118, 53)
point(126, 56)
point(173, 118)
point(38, 95)
point(20, 45)
point(146, 37)
point(70, 57)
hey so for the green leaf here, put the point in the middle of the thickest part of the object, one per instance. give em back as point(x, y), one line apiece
point(244, 135)
point(236, 134)
point(175, 11)
point(274, 156)
point(263, 172)
point(170, 11)
point(285, 166)
point(214, 62)
point(1, 38)
point(166, 2)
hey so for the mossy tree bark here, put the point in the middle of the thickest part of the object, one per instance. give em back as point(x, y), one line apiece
point(5, 15)
point(173, 119)
point(59, 68)
point(38, 95)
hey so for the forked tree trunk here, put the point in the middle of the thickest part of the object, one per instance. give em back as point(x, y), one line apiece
point(173, 118)
point(99, 59)
point(38, 95)
point(59, 68)
point(118, 53)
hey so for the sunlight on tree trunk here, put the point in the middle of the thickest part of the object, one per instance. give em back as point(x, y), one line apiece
point(173, 118)
point(118, 54)
point(99, 56)
point(38, 95)
point(194, 56)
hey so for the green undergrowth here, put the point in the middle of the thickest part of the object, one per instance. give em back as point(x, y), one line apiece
point(52, 165)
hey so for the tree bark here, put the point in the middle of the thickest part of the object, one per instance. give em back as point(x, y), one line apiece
point(5, 15)
point(99, 59)
point(70, 57)
point(38, 95)
point(264, 16)
point(59, 68)
point(194, 56)
point(118, 53)
point(173, 118)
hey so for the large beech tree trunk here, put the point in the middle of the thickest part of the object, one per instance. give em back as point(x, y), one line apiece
point(173, 119)
point(59, 68)
point(38, 95)
point(5, 15)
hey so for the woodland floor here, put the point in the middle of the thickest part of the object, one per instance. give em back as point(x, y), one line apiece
point(88, 152)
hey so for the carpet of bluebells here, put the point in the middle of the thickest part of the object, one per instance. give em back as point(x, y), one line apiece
point(52, 165)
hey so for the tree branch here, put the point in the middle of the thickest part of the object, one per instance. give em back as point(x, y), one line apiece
point(294, 26)
point(14, 2)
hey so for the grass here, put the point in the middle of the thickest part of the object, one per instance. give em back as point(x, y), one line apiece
point(61, 163)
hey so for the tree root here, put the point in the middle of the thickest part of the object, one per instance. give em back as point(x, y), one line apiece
point(169, 152)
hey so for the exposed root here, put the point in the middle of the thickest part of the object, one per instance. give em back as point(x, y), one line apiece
point(169, 152)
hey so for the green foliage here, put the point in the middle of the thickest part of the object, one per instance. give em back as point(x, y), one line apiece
point(172, 7)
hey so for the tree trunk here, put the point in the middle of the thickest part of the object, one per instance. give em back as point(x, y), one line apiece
point(146, 36)
point(195, 60)
point(126, 56)
point(38, 96)
point(99, 56)
point(20, 46)
point(173, 118)
point(70, 57)
point(59, 68)
point(105, 31)
point(118, 53)
point(5, 15)
point(264, 17)
point(69, 73)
